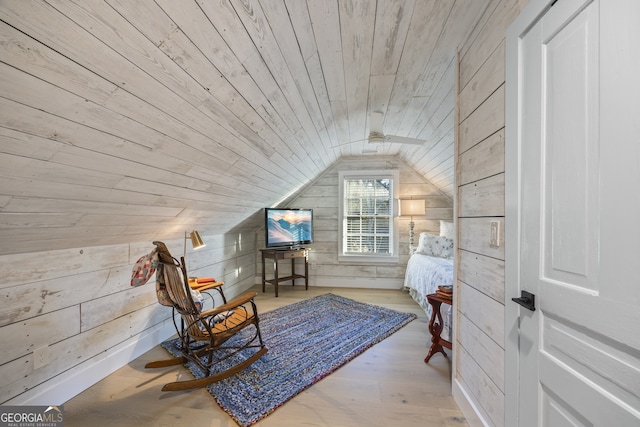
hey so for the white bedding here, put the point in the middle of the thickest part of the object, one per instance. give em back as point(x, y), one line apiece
point(423, 276)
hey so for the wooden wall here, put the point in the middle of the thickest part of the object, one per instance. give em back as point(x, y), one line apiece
point(76, 307)
point(322, 197)
point(479, 369)
point(133, 120)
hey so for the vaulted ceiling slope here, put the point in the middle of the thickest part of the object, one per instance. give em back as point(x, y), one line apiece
point(122, 121)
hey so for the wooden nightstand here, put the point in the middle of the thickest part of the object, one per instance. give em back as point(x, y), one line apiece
point(435, 326)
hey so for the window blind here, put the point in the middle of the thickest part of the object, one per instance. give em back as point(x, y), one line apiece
point(367, 214)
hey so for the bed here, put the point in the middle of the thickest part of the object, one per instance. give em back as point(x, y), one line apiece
point(429, 267)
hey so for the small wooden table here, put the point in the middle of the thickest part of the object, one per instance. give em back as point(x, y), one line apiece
point(208, 286)
point(280, 254)
point(435, 327)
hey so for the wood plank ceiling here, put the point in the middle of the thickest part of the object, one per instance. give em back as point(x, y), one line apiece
point(126, 120)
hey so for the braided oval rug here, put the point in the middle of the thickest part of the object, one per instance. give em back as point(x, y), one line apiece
point(307, 341)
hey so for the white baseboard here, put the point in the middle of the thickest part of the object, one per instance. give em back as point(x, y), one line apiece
point(341, 282)
point(61, 388)
point(365, 282)
point(472, 415)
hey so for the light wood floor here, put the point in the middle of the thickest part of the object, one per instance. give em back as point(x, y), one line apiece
point(387, 385)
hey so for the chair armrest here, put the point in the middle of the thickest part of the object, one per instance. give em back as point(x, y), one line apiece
point(236, 302)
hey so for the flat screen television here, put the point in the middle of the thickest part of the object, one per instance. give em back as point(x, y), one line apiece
point(288, 228)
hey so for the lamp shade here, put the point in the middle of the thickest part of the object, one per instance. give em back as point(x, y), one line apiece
point(196, 240)
point(412, 207)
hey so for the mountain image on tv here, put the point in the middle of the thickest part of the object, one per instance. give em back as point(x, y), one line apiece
point(293, 230)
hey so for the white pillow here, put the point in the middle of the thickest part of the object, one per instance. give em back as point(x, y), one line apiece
point(438, 246)
point(446, 229)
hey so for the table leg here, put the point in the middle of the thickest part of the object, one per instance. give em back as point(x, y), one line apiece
point(293, 271)
point(263, 273)
point(275, 276)
point(306, 271)
point(435, 328)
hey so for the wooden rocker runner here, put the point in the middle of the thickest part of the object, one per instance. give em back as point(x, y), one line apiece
point(203, 334)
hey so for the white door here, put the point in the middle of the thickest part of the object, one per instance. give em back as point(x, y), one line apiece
point(573, 228)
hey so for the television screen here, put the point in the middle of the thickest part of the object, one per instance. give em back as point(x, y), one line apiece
point(288, 227)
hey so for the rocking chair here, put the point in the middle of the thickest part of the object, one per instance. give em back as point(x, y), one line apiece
point(203, 335)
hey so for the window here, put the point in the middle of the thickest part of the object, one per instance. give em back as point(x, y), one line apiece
point(367, 216)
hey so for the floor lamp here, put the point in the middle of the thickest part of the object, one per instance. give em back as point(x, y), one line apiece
point(411, 208)
point(196, 242)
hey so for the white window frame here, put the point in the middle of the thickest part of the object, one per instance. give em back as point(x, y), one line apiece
point(393, 256)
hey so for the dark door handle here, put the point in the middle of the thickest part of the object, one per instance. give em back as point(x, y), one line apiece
point(527, 300)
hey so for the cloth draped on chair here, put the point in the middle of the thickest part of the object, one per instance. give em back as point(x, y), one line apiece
point(147, 265)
